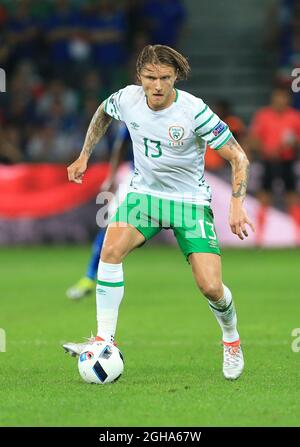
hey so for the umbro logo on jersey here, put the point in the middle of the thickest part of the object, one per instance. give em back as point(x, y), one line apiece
point(134, 125)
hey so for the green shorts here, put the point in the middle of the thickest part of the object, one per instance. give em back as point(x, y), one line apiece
point(193, 225)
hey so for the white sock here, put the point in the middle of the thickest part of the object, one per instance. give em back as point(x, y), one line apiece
point(225, 313)
point(109, 294)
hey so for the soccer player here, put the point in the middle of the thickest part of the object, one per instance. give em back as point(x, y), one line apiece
point(169, 129)
point(275, 135)
point(86, 284)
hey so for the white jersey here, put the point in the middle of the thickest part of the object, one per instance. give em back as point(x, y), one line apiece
point(169, 144)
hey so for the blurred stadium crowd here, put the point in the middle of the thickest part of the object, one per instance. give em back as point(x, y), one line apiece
point(62, 59)
point(288, 33)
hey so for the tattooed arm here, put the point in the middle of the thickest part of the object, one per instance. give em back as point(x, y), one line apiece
point(97, 128)
point(238, 218)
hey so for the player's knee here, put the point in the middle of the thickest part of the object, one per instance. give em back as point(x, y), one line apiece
point(211, 289)
point(112, 254)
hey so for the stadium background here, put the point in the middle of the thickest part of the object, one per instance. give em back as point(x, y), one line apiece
point(61, 59)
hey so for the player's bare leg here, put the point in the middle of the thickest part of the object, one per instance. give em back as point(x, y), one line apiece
point(207, 271)
point(120, 239)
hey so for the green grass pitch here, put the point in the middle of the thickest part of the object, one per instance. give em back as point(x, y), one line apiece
point(168, 335)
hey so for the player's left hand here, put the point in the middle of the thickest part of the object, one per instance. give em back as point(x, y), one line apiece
point(238, 219)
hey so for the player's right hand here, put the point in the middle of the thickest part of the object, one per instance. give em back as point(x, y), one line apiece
point(76, 170)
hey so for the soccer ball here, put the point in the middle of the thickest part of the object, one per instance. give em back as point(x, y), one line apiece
point(101, 363)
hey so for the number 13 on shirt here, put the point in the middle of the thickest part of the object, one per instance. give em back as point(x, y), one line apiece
point(152, 146)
